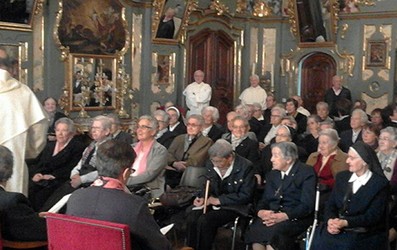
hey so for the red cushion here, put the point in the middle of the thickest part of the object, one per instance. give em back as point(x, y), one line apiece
point(69, 232)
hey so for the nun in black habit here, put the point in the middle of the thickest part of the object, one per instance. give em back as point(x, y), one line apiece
point(355, 215)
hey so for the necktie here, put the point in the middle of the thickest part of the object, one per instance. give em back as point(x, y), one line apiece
point(90, 154)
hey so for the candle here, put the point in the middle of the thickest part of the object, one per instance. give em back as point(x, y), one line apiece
point(253, 68)
point(82, 59)
point(272, 76)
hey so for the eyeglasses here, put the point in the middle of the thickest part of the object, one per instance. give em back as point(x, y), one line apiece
point(160, 121)
point(282, 135)
point(143, 127)
point(384, 139)
point(96, 128)
point(192, 125)
point(275, 116)
point(239, 127)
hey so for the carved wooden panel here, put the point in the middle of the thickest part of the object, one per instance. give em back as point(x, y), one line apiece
point(212, 52)
point(317, 72)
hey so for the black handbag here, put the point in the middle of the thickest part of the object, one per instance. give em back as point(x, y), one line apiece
point(180, 196)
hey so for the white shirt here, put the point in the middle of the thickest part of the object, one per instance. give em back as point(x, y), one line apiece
point(359, 181)
point(254, 94)
point(206, 131)
point(198, 96)
point(228, 171)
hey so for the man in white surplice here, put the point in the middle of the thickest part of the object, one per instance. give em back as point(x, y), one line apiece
point(24, 124)
point(197, 94)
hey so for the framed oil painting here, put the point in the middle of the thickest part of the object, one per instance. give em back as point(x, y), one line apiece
point(376, 54)
point(170, 19)
point(18, 14)
point(18, 55)
point(92, 82)
point(92, 27)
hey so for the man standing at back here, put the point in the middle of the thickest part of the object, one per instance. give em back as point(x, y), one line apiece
point(109, 199)
point(254, 93)
point(197, 94)
point(24, 124)
point(336, 93)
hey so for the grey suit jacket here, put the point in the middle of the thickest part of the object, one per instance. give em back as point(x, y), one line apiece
point(153, 177)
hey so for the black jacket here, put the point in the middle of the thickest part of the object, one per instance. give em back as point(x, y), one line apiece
point(237, 188)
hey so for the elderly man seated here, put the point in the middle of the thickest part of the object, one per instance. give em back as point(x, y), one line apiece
point(287, 205)
point(109, 199)
point(231, 189)
point(19, 221)
point(186, 150)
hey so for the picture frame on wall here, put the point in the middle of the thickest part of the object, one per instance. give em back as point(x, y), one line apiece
point(376, 54)
point(18, 14)
point(17, 53)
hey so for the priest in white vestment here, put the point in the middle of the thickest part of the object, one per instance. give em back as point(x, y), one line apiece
point(24, 125)
point(254, 94)
point(197, 94)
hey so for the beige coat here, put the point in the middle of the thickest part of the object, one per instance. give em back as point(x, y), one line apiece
point(339, 164)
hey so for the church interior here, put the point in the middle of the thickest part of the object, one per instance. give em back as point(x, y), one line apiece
point(120, 57)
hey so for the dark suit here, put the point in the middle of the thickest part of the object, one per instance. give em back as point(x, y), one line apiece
point(256, 126)
point(248, 148)
point(301, 120)
point(179, 129)
point(331, 99)
point(234, 192)
point(343, 125)
point(117, 206)
point(124, 137)
point(346, 139)
point(166, 138)
point(295, 196)
point(215, 132)
point(58, 165)
point(366, 208)
point(19, 222)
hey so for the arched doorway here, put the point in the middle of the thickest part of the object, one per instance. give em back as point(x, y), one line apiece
point(317, 71)
point(212, 51)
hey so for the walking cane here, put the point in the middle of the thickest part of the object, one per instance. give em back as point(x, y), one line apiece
point(316, 212)
point(207, 189)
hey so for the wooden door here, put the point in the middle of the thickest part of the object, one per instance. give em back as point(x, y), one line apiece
point(212, 52)
point(317, 72)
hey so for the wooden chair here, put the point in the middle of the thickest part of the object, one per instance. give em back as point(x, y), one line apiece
point(70, 232)
point(23, 244)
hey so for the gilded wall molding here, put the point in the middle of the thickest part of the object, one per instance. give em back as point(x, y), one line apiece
point(219, 7)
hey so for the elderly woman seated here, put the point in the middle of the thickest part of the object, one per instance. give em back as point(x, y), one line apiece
point(151, 160)
point(211, 128)
point(356, 211)
point(327, 162)
point(287, 205)
point(231, 188)
point(186, 150)
point(283, 134)
point(55, 163)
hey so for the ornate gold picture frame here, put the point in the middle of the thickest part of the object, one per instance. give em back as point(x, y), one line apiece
point(92, 82)
point(376, 54)
point(93, 38)
point(18, 56)
point(18, 15)
point(170, 19)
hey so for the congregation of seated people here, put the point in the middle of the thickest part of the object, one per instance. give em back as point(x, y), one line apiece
point(268, 157)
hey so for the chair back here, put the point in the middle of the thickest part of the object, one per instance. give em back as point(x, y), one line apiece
point(70, 232)
point(193, 177)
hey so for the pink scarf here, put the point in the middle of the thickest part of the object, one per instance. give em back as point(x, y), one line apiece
point(111, 183)
point(141, 158)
